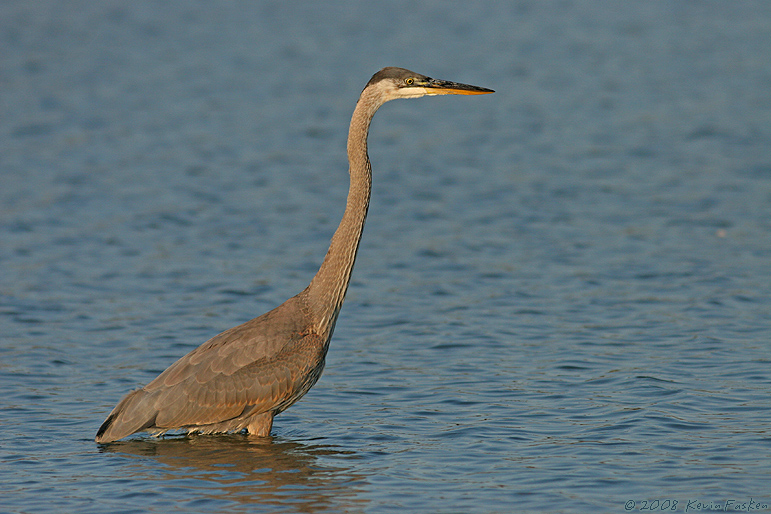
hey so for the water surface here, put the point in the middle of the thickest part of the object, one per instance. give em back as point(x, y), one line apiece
point(561, 302)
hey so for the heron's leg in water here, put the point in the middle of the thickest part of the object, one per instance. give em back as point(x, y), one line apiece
point(260, 424)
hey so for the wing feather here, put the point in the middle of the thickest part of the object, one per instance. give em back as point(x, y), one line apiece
point(265, 364)
point(260, 386)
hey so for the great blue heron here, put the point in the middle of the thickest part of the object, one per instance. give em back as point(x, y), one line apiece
point(243, 377)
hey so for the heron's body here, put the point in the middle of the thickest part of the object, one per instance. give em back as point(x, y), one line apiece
point(243, 377)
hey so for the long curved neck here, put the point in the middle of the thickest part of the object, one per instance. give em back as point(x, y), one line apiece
point(326, 292)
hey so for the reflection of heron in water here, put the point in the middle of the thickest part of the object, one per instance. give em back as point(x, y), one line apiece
point(243, 377)
point(239, 470)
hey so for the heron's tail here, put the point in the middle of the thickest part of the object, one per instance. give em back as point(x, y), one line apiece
point(135, 412)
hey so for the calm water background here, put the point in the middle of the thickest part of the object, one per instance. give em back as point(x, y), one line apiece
point(562, 300)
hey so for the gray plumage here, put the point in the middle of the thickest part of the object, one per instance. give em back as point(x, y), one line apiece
point(241, 378)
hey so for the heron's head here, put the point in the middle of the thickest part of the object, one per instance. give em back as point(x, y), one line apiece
point(393, 83)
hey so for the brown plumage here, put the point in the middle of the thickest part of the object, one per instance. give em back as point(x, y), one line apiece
point(241, 378)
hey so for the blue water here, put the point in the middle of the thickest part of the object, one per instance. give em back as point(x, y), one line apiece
point(562, 301)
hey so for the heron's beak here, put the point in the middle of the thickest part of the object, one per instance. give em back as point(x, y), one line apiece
point(445, 87)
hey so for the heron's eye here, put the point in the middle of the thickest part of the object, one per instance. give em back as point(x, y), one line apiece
point(409, 81)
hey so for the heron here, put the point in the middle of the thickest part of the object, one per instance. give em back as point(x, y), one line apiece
point(242, 378)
